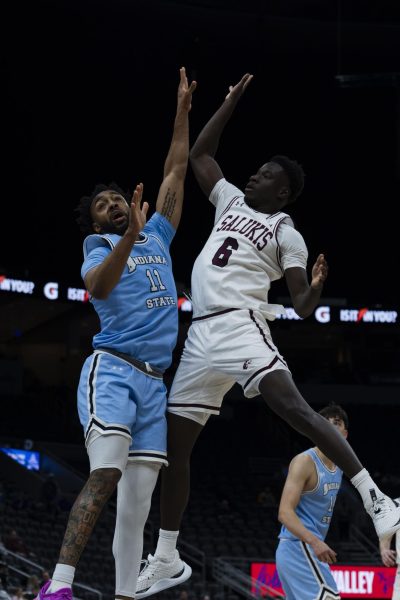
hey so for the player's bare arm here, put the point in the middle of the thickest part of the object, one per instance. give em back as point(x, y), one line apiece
point(205, 167)
point(101, 280)
point(301, 477)
point(170, 195)
point(305, 296)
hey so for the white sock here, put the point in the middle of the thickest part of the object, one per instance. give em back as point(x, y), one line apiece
point(366, 487)
point(63, 577)
point(166, 544)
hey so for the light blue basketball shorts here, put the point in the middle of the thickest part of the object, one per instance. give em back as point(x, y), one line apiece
point(115, 397)
point(302, 575)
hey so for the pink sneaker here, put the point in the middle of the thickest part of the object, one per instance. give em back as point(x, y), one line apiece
point(63, 594)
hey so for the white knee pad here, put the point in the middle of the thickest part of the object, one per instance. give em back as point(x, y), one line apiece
point(107, 451)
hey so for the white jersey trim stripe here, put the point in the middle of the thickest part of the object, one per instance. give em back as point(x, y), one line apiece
point(227, 208)
point(96, 423)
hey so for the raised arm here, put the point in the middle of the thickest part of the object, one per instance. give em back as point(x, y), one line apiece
point(205, 168)
point(301, 470)
point(170, 195)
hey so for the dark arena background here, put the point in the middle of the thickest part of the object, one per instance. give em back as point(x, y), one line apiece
point(88, 96)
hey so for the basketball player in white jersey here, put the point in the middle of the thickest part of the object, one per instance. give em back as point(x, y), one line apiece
point(253, 243)
point(391, 558)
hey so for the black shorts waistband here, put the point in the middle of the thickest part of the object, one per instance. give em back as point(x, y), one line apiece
point(216, 314)
point(145, 367)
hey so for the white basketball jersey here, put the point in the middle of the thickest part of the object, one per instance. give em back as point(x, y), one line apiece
point(245, 252)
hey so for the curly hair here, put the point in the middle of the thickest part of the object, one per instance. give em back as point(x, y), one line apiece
point(295, 174)
point(334, 410)
point(83, 216)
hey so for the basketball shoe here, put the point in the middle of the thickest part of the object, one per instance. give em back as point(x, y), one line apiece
point(385, 515)
point(160, 574)
point(63, 594)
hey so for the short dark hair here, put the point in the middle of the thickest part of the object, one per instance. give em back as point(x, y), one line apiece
point(295, 174)
point(83, 216)
point(334, 410)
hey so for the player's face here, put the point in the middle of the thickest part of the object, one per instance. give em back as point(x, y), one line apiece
point(110, 213)
point(268, 189)
point(339, 424)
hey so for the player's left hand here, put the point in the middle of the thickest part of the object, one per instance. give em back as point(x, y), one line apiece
point(185, 90)
point(235, 91)
point(319, 272)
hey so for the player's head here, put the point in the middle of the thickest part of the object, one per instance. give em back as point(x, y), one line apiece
point(276, 184)
point(106, 210)
point(337, 416)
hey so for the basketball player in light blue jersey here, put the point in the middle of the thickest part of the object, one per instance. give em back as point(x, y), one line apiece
point(121, 396)
point(305, 511)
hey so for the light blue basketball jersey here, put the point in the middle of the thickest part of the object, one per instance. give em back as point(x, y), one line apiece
point(316, 506)
point(140, 316)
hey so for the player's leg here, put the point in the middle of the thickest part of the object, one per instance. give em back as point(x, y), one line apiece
point(165, 568)
point(107, 456)
point(146, 455)
point(196, 393)
point(135, 490)
point(107, 426)
point(282, 396)
point(175, 480)
point(265, 372)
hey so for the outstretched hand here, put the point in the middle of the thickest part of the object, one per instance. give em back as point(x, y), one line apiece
point(138, 213)
point(319, 272)
point(235, 91)
point(185, 90)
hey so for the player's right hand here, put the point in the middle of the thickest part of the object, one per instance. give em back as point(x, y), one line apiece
point(323, 552)
point(388, 557)
point(138, 213)
point(235, 91)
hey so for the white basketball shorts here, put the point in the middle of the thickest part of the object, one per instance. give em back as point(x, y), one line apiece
point(233, 345)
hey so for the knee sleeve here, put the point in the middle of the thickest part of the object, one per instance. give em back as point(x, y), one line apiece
point(107, 451)
point(135, 490)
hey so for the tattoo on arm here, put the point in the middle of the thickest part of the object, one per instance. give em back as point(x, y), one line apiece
point(168, 206)
point(85, 512)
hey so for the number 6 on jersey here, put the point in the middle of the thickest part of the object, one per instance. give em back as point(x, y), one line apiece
point(221, 257)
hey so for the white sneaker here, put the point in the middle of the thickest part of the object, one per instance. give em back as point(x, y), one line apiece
point(160, 574)
point(385, 514)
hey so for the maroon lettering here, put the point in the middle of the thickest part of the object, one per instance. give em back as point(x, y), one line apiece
point(225, 223)
point(221, 257)
point(246, 226)
point(250, 233)
point(266, 237)
point(236, 227)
